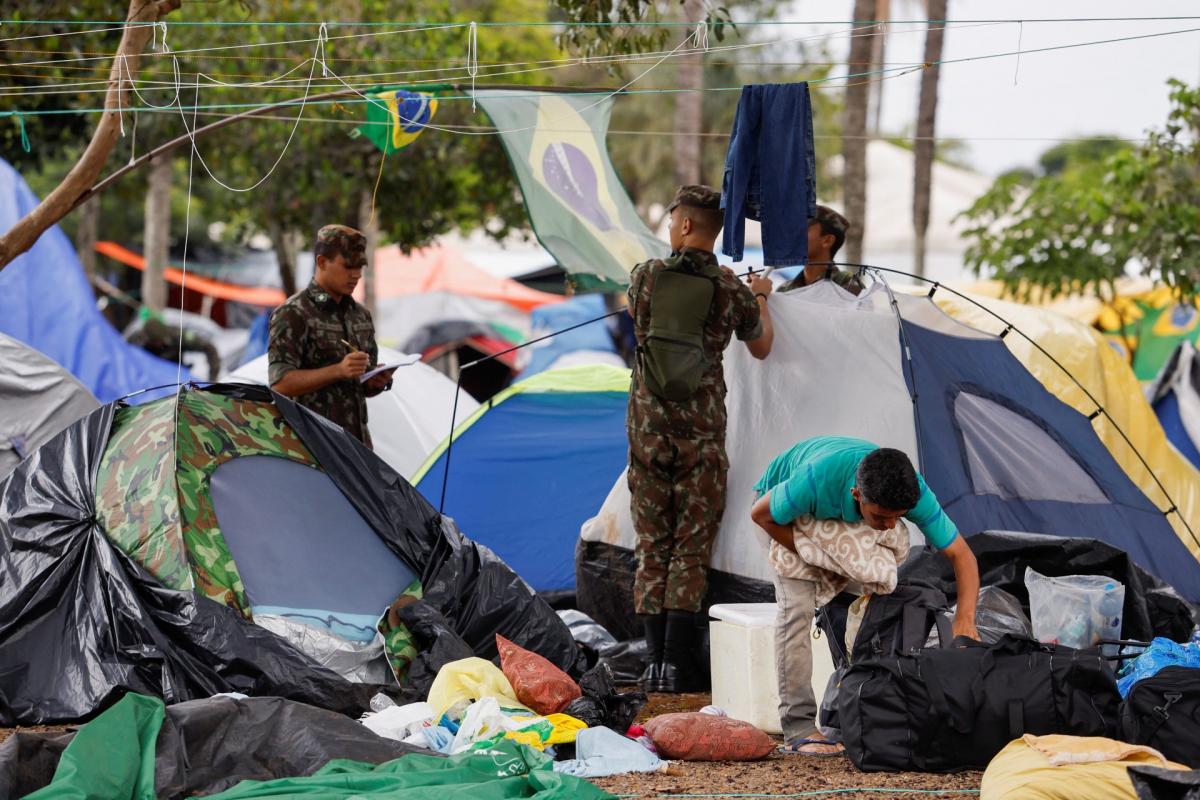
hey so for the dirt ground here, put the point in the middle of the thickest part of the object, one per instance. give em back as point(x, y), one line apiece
point(777, 775)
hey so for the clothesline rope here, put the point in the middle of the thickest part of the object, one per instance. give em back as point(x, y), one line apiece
point(608, 92)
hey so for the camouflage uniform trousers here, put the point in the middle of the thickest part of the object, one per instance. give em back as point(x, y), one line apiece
point(678, 496)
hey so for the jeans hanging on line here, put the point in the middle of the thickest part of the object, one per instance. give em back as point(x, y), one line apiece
point(770, 173)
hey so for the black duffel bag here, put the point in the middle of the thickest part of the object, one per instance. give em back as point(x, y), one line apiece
point(1163, 712)
point(941, 710)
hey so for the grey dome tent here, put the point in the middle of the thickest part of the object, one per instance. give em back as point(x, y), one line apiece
point(38, 398)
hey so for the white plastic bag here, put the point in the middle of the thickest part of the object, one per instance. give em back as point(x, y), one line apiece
point(399, 722)
point(1074, 610)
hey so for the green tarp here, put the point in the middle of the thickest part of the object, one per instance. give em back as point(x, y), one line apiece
point(112, 757)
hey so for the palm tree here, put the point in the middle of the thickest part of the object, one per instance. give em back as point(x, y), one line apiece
point(923, 143)
point(854, 131)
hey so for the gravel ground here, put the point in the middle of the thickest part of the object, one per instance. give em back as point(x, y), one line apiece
point(777, 775)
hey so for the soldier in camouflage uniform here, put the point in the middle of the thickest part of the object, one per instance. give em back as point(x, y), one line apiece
point(826, 233)
point(321, 341)
point(677, 461)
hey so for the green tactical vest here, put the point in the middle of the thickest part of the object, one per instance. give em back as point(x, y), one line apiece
point(672, 358)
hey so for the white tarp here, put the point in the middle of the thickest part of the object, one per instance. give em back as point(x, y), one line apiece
point(409, 421)
point(831, 351)
point(38, 399)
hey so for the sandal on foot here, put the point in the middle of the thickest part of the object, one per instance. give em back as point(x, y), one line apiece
point(813, 748)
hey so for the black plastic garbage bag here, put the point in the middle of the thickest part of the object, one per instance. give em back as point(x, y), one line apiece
point(72, 604)
point(620, 709)
point(1156, 783)
point(207, 746)
point(1152, 608)
point(626, 660)
point(590, 636)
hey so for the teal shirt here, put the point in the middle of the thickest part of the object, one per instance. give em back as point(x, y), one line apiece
point(816, 476)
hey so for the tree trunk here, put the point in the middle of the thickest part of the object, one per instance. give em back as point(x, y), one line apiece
point(87, 233)
point(157, 234)
point(283, 241)
point(924, 143)
point(854, 131)
point(21, 236)
point(368, 223)
point(883, 11)
point(689, 104)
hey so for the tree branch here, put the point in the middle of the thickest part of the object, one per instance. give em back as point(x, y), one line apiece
point(139, 28)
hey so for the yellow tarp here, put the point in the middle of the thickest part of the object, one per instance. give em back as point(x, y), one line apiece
point(1084, 353)
point(1065, 768)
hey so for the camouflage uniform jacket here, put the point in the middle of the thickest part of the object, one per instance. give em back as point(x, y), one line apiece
point(847, 280)
point(306, 333)
point(734, 312)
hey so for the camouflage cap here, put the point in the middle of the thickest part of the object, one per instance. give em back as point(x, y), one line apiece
point(696, 196)
point(831, 218)
point(345, 241)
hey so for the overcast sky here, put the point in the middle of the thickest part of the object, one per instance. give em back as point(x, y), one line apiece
point(1117, 88)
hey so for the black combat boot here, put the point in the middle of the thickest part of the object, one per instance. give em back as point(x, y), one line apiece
point(655, 627)
point(681, 671)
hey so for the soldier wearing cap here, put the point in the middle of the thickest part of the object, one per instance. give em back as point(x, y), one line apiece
point(685, 309)
point(826, 233)
point(322, 341)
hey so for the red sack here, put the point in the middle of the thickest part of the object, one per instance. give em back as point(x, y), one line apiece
point(539, 684)
point(692, 736)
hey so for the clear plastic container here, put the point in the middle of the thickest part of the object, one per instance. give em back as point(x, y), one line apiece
point(1075, 610)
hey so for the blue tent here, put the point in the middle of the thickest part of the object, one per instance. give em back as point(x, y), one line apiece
point(47, 303)
point(532, 464)
point(1175, 396)
point(560, 316)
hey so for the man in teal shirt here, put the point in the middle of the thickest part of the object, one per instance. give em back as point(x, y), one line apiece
point(853, 480)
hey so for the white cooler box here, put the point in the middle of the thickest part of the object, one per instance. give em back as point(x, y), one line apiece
point(742, 651)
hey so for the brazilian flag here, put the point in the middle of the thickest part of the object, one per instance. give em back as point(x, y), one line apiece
point(397, 117)
point(577, 205)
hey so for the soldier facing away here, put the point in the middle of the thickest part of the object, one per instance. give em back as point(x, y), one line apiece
point(685, 310)
point(321, 341)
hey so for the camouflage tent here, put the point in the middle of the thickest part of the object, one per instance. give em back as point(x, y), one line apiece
point(165, 531)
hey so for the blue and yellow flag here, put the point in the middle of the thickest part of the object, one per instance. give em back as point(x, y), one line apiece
point(398, 118)
point(577, 205)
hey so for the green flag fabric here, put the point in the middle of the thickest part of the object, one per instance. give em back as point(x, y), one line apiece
point(496, 772)
point(577, 204)
point(112, 757)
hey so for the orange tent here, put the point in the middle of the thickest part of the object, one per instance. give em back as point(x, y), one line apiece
point(444, 269)
point(265, 296)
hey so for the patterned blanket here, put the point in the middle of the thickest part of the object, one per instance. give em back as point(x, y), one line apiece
point(832, 553)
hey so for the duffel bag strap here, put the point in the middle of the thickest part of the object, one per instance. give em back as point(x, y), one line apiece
point(937, 698)
point(1016, 719)
point(1148, 725)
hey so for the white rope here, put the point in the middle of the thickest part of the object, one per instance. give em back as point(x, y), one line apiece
point(702, 35)
point(606, 97)
point(1020, 33)
point(322, 38)
point(291, 135)
point(473, 59)
point(187, 230)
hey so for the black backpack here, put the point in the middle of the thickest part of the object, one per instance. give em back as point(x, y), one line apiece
point(671, 360)
point(1163, 712)
point(942, 710)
